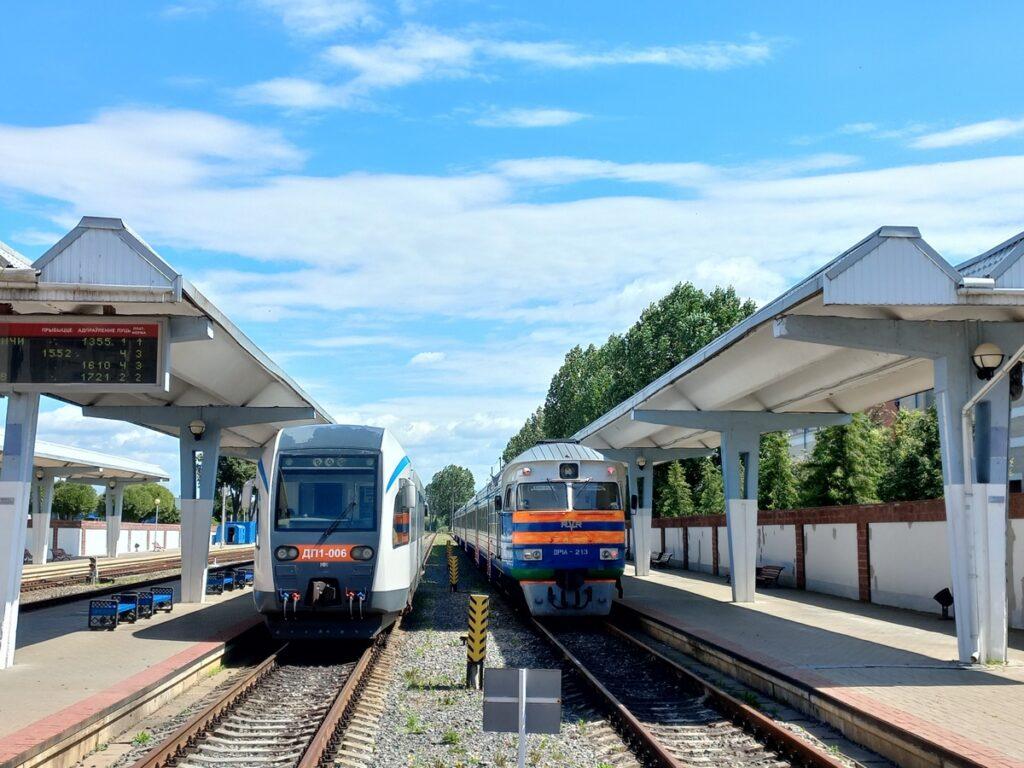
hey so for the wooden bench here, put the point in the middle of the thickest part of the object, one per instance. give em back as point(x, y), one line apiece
point(768, 575)
point(661, 559)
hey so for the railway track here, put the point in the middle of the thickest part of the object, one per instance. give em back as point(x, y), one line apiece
point(671, 717)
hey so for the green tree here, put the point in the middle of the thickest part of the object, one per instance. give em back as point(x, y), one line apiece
point(777, 485)
point(844, 466)
point(710, 491)
point(911, 458)
point(140, 503)
point(675, 498)
point(578, 391)
point(73, 500)
point(448, 490)
point(233, 473)
point(531, 433)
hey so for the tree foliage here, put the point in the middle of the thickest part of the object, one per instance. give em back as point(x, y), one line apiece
point(845, 465)
point(233, 473)
point(448, 490)
point(73, 500)
point(911, 458)
point(777, 484)
point(531, 433)
point(140, 503)
point(710, 491)
point(676, 497)
point(578, 393)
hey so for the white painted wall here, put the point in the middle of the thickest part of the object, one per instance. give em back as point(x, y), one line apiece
point(1015, 589)
point(700, 549)
point(909, 564)
point(776, 545)
point(830, 558)
point(95, 542)
point(723, 551)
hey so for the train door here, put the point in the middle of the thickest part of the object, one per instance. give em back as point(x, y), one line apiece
point(505, 522)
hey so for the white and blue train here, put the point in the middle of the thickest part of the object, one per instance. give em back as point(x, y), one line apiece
point(341, 526)
point(552, 523)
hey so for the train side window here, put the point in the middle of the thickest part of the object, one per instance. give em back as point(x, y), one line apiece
point(507, 506)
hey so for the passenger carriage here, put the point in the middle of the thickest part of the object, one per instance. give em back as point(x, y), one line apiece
point(552, 522)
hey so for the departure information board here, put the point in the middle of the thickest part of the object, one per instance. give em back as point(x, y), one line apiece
point(97, 354)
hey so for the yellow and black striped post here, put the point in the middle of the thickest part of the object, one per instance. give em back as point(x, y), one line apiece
point(476, 640)
point(453, 573)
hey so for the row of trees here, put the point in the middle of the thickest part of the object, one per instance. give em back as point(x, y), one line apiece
point(75, 500)
point(865, 461)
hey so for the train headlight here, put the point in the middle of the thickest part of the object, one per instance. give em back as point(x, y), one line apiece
point(532, 554)
point(609, 553)
point(286, 553)
point(362, 553)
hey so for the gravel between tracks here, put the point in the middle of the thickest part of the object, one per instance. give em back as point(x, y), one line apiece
point(432, 721)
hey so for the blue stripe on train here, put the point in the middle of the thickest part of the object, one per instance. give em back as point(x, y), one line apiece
point(549, 527)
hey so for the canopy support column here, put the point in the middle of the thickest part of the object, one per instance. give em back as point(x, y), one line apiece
point(42, 500)
point(114, 502)
point(198, 486)
point(740, 449)
point(15, 486)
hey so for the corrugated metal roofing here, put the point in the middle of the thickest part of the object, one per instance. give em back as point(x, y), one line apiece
point(92, 463)
point(11, 258)
point(985, 264)
point(558, 452)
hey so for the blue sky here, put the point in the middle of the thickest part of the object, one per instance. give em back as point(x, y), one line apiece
point(416, 207)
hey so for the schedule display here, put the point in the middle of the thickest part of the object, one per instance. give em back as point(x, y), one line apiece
point(61, 353)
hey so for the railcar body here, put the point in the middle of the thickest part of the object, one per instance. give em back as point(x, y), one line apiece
point(340, 532)
point(553, 523)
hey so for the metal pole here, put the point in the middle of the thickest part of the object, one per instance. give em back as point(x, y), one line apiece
point(522, 718)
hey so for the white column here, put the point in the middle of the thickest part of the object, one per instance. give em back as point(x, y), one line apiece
point(41, 534)
point(15, 482)
point(197, 513)
point(740, 450)
point(114, 498)
point(642, 522)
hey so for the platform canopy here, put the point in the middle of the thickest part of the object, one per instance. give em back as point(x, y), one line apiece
point(892, 274)
point(72, 462)
point(101, 267)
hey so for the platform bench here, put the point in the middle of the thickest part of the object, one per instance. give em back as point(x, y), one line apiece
point(244, 576)
point(108, 612)
point(768, 575)
point(661, 559)
point(216, 583)
point(156, 599)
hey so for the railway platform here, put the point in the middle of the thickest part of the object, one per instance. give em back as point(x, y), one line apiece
point(70, 683)
point(887, 678)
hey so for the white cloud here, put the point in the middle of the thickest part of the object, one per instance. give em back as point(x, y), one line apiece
point(855, 128)
point(529, 118)
point(427, 358)
point(318, 18)
point(975, 133)
point(291, 93)
point(414, 53)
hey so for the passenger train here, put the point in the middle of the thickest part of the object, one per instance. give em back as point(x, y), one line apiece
point(553, 523)
point(340, 532)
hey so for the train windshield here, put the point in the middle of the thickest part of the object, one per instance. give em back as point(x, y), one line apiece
point(587, 495)
point(547, 495)
point(315, 493)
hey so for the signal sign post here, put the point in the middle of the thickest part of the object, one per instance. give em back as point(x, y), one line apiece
point(523, 701)
point(476, 640)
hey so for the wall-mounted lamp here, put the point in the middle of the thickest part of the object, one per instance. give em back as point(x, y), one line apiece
point(40, 474)
point(111, 484)
point(197, 427)
point(641, 462)
point(986, 358)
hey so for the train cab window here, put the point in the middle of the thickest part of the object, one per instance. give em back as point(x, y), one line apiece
point(588, 495)
point(314, 495)
point(507, 506)
point(547, 495)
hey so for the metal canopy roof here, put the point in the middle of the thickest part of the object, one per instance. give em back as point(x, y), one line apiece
point(82, 463)
point(103, 266)
point(891, 274)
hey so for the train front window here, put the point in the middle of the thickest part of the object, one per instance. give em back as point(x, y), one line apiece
point(548, 495)
point(317, 493)
point(595, 496)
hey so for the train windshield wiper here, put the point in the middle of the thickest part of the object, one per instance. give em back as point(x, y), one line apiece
point(335, 523)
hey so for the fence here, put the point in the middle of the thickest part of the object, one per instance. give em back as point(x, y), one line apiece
point(891, 554)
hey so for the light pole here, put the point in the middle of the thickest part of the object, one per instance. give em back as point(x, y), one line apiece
point(156, 516)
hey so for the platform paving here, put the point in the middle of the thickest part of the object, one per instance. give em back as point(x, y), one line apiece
point(64, 674)
point(895, 664)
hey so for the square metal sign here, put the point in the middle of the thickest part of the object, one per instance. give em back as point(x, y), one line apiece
point(543, 700)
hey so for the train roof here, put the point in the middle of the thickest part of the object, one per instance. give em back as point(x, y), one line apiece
point(332, 436)
point(558, 451)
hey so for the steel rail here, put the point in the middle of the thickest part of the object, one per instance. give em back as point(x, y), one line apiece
point(759, 725)
point(166, 753)
point(638, 732)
